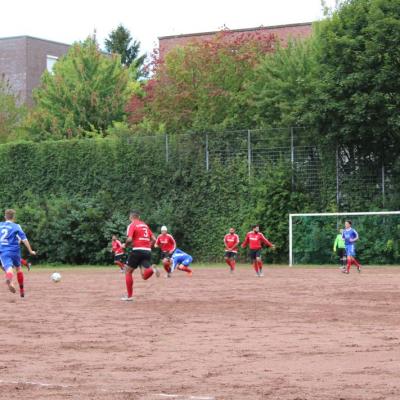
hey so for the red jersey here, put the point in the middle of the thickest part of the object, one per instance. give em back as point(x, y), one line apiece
point(166, 243)
point(117, 247)
point(231, 241)
point(255, 240)
point(140, 234)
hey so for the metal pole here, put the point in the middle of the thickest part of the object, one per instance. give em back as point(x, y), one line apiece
point(207, 156)
point(337, 178)
point(166, 148)
point(249, 151)
point(292, 153)
point(290, 241)
point(383, 185)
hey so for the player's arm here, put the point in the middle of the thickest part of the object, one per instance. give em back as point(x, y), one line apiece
point(355, 237)
point(28, 246)
point(157, 243)
point(335, 244)
point(173, 243)
point(267, 242)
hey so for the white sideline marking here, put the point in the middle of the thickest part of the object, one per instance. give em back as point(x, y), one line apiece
point(34, 384)
point(190, 397)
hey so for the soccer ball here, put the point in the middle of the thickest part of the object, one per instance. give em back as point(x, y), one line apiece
point(56, 277)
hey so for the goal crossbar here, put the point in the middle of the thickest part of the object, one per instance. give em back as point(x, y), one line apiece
point(327, 215)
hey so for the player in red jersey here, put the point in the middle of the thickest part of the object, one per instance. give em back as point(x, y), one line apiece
point(118, 250)
point(231, 241)
point(167, 245)
point(255, 240)
point(141, 239)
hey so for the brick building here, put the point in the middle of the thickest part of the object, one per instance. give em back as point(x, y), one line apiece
point(23, 59)
point(283, 32)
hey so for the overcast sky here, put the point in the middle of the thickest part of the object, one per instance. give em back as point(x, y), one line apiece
point(68, 21)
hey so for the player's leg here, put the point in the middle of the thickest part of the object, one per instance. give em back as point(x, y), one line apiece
point(356, 263)
point(20, 279)
point(253, 258)
point(228, 259)
point(260, 266)
point(149, 270)
point(184, 265)
point(6, 263)
point(233, 262)
point(132, 264)
point(118, 261)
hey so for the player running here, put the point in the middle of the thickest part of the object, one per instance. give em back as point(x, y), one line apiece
point(141, 239)
point(350, 236)
point(167, 245)
point(255, 240)
point(10, 253)
point(339, 249)
point(181, 261)
point(231, 241)
point(119, 252)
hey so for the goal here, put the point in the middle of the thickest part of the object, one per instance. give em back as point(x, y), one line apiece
point(311, 236)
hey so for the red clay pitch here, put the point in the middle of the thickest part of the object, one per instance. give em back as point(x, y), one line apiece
point(296, 334)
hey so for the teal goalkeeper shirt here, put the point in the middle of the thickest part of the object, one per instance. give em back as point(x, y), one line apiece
point(339, 242)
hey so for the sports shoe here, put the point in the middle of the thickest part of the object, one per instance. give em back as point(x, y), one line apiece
point(126, 298)
point(28, 266)
point(261, 274)
point(190, 273)
point(11, 287)
point(359, 270)
point(156, 271)
point(168, 275)
point(22, 293)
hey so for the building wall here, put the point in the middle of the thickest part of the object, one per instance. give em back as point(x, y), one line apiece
point(23, 61)
point(13, 64)
point(283, 32)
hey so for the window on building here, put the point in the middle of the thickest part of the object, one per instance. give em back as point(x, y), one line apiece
point(51, 60)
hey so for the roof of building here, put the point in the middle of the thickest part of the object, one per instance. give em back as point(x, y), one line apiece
point(236, 30)
point(34, 38)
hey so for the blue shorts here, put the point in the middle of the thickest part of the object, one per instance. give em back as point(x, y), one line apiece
point(10, 259)
point(184, 260)
point(350, 250)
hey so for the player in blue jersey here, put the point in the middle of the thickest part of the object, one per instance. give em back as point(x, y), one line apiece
point(350, 236)
point(181, 260)
point(11, 234)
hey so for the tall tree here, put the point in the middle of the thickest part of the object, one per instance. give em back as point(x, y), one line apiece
point(120, 41)
point(201, 85)
point(86, 92)
point(358, 98)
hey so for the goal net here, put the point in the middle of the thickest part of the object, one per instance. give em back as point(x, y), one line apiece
point(312, 237)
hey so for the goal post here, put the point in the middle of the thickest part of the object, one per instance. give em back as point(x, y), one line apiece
point(338, 214)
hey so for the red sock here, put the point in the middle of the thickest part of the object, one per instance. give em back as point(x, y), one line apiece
point(167, 266)
point(255, 266)
point(229, 262)
point(129, 283)
point(356, 263)
point(349, 261)
point(9, 275)
point(20, 279)
point(260, 265)
point(148, 272)
point(186, 269)
point(120, 264)
point(233, 264)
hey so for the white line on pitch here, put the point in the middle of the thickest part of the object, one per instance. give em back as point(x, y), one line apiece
point(34, 384)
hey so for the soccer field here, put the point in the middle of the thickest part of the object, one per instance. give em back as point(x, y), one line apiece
point(296, 334)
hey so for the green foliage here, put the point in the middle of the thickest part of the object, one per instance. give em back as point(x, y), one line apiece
point(11, 114)
point(119, 41)
point(358, 95)
point(86, 92)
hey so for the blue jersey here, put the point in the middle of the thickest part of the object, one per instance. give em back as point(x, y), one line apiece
point(10, 236)
point(180, 257)
point(349, 236)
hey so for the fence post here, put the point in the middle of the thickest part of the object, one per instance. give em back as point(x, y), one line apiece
point(337, 177)
point(292, 154)
point(166, 148)
point(207, 155)
point(249, 151)
point(383, 183)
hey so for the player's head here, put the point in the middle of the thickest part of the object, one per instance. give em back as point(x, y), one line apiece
point(114, 237)
point(231, 230)
point(255, 228)
point(164, 229)
point(134, 215)
point(9, 214)
point(348, 224)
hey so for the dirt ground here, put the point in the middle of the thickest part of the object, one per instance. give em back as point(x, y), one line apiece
point(296, 334)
